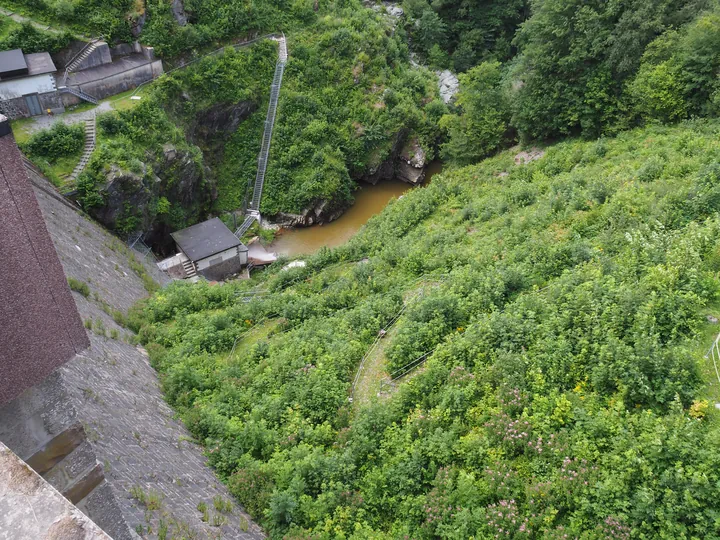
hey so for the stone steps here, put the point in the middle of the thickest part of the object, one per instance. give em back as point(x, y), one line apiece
point(87, 152)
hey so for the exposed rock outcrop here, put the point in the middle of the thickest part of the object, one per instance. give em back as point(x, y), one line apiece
point(411, 163)
point(138, 19)
point(448, 84)
point(178, 11)
point(220, 120)
point(132, 196)
point(320, 212)
point(528, 156)
point(390, 9)
point(405, 161)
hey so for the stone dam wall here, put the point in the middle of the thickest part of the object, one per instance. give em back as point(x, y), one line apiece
point(145, 472)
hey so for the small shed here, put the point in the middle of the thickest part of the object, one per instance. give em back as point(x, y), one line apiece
point(212, 250)
point(27, 84)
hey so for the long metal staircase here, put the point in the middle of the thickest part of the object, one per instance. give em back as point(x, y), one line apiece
point(253, 211)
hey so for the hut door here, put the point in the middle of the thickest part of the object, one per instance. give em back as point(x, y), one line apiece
point(33, 104)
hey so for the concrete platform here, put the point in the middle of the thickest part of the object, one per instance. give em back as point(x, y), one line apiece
point(119, 76)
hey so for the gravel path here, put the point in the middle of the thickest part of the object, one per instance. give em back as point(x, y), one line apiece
point(44, 121)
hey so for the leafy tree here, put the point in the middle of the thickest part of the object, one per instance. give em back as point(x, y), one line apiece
point(658, 94)
point(483, 123)
point(575, 57)
point(58, 141)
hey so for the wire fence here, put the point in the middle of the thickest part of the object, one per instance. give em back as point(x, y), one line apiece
point(714, 353)
point(383, 331)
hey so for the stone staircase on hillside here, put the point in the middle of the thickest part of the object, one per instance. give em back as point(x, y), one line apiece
point(80, 58)
point(73, 65)
point(89, 148)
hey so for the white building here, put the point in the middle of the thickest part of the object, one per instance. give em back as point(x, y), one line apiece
point(27, 84)
point(209, 249)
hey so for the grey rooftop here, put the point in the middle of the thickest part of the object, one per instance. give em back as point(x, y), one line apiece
point(12, 64)
point(206, 239)
point(39, 63)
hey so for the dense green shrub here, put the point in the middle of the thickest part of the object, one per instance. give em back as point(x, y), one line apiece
point(58, 141)
point(565, 321)
point(482, 126)
point(467, 34)
point(79, 286)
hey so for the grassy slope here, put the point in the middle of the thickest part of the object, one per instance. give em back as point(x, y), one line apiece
point(570, 302)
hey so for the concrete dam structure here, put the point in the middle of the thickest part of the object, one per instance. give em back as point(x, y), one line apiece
point(80, 404)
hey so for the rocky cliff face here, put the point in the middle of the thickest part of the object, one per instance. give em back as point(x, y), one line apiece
point(410, 164)
point(405, 161)
point(131, 199)
point(219, 121)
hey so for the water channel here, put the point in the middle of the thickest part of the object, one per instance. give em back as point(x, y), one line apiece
point(369, 200)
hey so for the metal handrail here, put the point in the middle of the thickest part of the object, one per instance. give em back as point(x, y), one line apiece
point(89, 43)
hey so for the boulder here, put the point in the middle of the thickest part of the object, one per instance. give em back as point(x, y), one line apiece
point(411, 163)
point(448, 85)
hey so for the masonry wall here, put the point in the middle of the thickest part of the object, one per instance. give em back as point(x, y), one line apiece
point(17, 108)
point(143, 449)
point(30, 508)
point(42, 427)
point(40, 330)
point(119, 82)
point(98, 57)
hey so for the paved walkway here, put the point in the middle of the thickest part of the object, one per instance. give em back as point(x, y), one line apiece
point(44, 121)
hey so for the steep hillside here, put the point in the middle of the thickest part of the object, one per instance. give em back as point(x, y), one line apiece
point(555, 315)
point(351, 108)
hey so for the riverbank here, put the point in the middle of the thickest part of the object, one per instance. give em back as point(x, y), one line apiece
point(369, 201)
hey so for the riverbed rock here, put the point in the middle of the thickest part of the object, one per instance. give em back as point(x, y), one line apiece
point(410, 165)
point(448, 84)
point(320, 212)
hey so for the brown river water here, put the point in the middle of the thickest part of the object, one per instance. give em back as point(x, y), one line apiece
point(369, 200)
